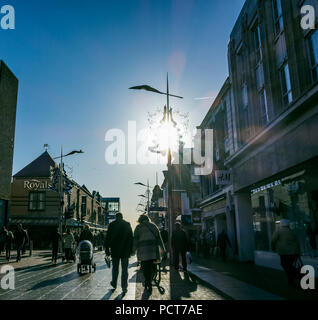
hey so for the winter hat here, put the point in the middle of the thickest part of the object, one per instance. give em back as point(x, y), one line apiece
point(284, 223)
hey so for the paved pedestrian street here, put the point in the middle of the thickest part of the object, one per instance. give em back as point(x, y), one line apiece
point(36, 278)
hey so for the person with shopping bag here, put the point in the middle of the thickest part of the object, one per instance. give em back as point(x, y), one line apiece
point(180, 247)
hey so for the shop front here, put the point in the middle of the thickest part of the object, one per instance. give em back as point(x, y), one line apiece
point(294, 196)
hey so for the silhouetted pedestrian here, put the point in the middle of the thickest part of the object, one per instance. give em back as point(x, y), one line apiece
point(180, 246)
point(286, 244)
point(119, 244)
point(147, 242)
point(222, 242)
point(56, 238)
point(20, 237)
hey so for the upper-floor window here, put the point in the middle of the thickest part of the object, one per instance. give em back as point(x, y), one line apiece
point(37, 201)
point(84, 202)
point(264, 107)
point(244, 114)
point(225, 126)
point(313, 47)
point(286, 84)
point(258, 43)
point(113, 206)
point(278, 16)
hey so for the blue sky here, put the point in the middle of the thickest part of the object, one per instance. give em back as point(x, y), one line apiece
point(75, 61)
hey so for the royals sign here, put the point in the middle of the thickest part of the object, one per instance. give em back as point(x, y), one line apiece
point(36, 185)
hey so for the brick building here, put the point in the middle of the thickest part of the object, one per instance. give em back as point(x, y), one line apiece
point(8, 105)
point(39, 209)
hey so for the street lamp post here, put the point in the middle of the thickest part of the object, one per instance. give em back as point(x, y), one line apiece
point(61, 183)
point(168, 114)
point(148, 194)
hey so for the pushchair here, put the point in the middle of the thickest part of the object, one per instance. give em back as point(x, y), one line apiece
point(85, 257)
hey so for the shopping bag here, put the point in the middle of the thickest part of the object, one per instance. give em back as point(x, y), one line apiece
point(189, 257)
point(108, 261)
point(298, 264)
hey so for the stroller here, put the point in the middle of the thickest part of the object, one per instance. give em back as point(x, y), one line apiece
point(86, 257)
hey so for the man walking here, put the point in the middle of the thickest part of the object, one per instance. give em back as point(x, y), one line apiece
point(180, 246)
point(286, 244)
point(222, 242)
point(119, 244)
point(56, 238)
point(8, 243)
point(20, 237)
point(2, 238)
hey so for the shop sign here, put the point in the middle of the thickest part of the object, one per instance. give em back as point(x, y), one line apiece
point(36, 184)
point(196, 217)
point(223, 177)
point(267, 186)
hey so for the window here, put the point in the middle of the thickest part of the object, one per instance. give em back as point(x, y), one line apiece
point(258, 43)
point(286, 84)
point(37, 201)
point(278, 16)
point(225, 128)
point(113, 206)
point(264, 107)
point(83, 208)
point(244, 113)
point(313, 47)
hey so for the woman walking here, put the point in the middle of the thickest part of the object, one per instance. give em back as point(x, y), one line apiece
point(147, 241)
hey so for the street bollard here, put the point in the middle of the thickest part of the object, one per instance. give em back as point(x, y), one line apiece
point(31, 247)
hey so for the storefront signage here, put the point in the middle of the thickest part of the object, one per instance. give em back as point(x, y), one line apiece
point(196, 217)
point(267, 186)
point(36, 184)
point(222, 177)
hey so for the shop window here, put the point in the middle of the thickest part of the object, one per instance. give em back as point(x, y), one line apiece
point(37, 201)
point(289, 199)
point(313, 48)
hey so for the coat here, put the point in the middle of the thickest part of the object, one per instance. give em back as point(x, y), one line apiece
point(147, 240)
point(20, 237)
point(87, 235)
point(119, 239)
point(285, 242)
point(68, 241)
point(180, 241)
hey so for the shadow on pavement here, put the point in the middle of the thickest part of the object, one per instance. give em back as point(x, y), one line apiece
point(181, 287)
point(50, 282)
point(108, 294)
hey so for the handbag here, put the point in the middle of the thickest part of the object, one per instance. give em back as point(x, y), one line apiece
point(298, 264)
point(108, 261)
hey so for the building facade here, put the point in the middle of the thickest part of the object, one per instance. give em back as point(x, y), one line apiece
point(110, 207)
point(8, 105)
point(40, 210)
point(216, 203)
point(273, 71)
point(273, 152)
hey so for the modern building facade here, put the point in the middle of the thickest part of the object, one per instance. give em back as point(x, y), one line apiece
point(110, 207)
point(272, 151)
point(8, 106)
point(39, 209)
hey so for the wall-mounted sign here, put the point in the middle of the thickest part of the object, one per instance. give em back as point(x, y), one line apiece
point(36, 185)
point(222, 177)
point(267, 186)
point(196, 217)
